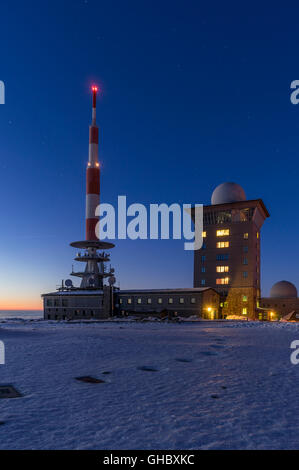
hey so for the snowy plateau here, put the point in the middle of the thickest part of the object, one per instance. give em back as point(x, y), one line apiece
point(191, 385)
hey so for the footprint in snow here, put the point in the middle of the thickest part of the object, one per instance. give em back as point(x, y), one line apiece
point(147, 369)
point(182, 359)
point(209, 353)
point(90, 380)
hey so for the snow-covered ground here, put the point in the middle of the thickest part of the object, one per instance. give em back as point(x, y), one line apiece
point(216, 386)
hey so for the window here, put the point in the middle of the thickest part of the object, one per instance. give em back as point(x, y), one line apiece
point(204, 246)
point(193, 300)
point(257, 235)
point(245, 236)
point(222, 244)
point(223, 280)
point(120, 301)
point(204, 234)
point(244, 298)
point(56, 303)
point(244, 311)
point(225, 304)
point(222, 257)
point(203, 258)
point(245, 249)
point(159, 300)
point(221, 304)
point(222, 233)
point(49, 303)
point(64, 302)
point(245, 274)
point(139, 301)
point(245, 261)
point(149, 301)
point(129, 301)
point(203, 282)
point(222, 269)
point(203, 269)
point(182, 300)
point(170, 300)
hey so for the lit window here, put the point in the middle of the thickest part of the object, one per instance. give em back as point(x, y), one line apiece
point(139, 301)
point(159, 300)
point(222, 269)
point(244, 298)
point(203, 282)
point(193, 300)
point(222, 244)
point(245, 261)
point(204, 246)
point(120, 301)
point(221, 304)
point(182, 300)
point(170, 300)
point(204, 234)
point(149, 301)
point(245, 249)
point(203, 258)
point(225, 304)
point(222, 233)
point(257, 235)
point(223, 280)
point(203, 269)
point(244, 311)
point(245, 274)
point(245, 236)
point(129, 301)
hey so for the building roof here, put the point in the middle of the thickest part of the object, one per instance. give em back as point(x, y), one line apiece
point(240, 205)
point(165, 291)
point(76, 292)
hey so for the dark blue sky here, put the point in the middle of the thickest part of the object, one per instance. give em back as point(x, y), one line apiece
point(193, 94)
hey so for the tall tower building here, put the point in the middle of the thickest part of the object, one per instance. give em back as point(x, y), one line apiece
point(229, 260)
point(93, 299)
point(95, 272)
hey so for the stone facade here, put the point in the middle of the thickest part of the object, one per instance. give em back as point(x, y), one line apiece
point(229, 260)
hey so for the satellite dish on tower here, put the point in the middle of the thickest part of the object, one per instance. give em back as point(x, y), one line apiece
point(111, 280)
point(69, 283)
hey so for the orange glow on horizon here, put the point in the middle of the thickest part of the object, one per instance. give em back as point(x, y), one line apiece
point(21, 304)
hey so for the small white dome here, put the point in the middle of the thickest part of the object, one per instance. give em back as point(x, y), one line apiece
point(228, 192)
point(283, 290)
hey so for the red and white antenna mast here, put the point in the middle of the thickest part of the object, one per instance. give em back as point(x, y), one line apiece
point(92, 173)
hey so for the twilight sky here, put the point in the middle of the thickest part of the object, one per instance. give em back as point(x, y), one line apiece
point(194, 93)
